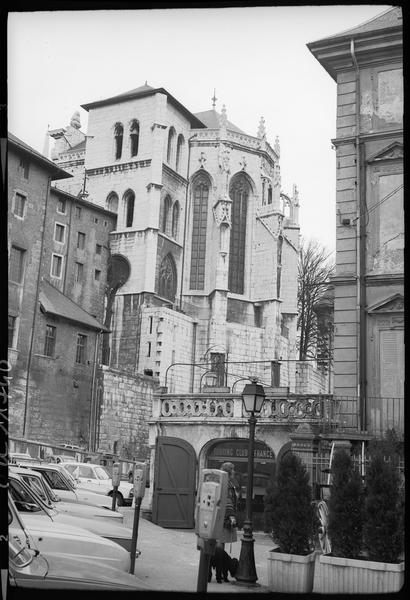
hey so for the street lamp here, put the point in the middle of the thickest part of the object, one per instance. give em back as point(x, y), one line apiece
point(253, 397)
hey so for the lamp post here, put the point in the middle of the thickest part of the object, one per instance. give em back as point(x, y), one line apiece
point(253, 397)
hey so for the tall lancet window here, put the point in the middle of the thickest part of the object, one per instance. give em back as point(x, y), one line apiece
point(129, 201)
point(134, 137)
point(199, 226)
point(171, 146)
point(167, 285)
point(118, 138)
point(175, 220)
point(239, 194)
point(180, 150)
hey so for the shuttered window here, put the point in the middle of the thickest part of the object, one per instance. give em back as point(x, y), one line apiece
point(392, 363)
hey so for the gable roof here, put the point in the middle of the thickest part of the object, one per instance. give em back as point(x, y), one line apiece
point(211, 118)
point(55, 171)
point(141, 92)
point(54, 302)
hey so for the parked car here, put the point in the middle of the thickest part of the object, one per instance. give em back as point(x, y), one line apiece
point(16, 457)
point(65, 486)
point(30, 567)
point(38, 484)
point(57, 539)
point(35, 511)
point(98, 479)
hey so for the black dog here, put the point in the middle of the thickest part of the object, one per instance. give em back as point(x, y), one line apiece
point(223, 564)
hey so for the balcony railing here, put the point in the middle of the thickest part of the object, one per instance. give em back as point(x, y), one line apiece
point(329, 412)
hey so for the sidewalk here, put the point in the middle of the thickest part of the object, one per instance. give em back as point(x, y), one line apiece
point(169, 558)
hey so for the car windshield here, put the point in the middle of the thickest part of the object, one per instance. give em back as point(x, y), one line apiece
point(36, 484)
point(54, 479)
point(24, 501)
point(102, 473)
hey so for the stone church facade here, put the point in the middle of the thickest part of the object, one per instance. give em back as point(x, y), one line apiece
point(204, 253)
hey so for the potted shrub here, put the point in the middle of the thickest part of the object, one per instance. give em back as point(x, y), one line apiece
point(359, 520)
point(290, 517)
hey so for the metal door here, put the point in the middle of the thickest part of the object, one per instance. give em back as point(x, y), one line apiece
point(174, 484)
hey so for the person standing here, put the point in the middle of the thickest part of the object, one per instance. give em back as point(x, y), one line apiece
point(229, 534)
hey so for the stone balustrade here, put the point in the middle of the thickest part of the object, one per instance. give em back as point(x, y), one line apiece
point(314, 408)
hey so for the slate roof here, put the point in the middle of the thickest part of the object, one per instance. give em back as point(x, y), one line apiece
point(56, 303)
point(210, 118)
point(77, 148)
point(56, 172)
point(389, 18)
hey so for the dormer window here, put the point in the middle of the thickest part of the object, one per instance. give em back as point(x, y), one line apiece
point(118, 138)
point(134, 137)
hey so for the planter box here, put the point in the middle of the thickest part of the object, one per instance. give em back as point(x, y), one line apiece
point(336, 575)
point(290, 573)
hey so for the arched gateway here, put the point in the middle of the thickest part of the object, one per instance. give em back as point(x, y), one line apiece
point(176, 474)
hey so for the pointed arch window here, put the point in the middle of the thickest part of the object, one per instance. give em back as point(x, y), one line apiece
point(112, 202)
point(167, 278)
point(129, 202)
point(134, 137)
point(171, 144)
point(180, 151)
point(270, 194)
point(166, 215)
point(199, 227)
point(239, 194)
point(118, 139)
point(175, 220)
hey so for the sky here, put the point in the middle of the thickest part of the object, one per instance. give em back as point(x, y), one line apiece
point(254, 57)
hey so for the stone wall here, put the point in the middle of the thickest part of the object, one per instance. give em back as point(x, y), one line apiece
point(126, 406)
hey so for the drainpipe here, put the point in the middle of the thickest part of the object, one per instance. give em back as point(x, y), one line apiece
point(70, 225)
point(360, 258)
point(191, 386)
point(33, 326)
point(187, 204)
point(93, 404)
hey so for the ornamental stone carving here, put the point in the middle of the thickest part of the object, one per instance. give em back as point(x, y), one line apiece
point(202, 160)
point(224, 158)
point(222, 211)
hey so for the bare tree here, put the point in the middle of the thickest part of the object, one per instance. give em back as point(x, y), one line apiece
point(314, 272)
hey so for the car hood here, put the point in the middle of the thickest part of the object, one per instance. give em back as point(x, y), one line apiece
point(88, 510)
point(62, 539)
point(96, 526)
point(85, 496)
point(91, 572)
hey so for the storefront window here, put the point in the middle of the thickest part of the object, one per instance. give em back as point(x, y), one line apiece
point(236, 451)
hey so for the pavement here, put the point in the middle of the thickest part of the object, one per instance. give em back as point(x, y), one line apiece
point(169, 559)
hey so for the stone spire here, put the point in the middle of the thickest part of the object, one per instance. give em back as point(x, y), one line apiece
point(75, 120)
point(277, 145)
point(214, 99)
point(261, 129)
point(46, 146)
point(223, 119)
